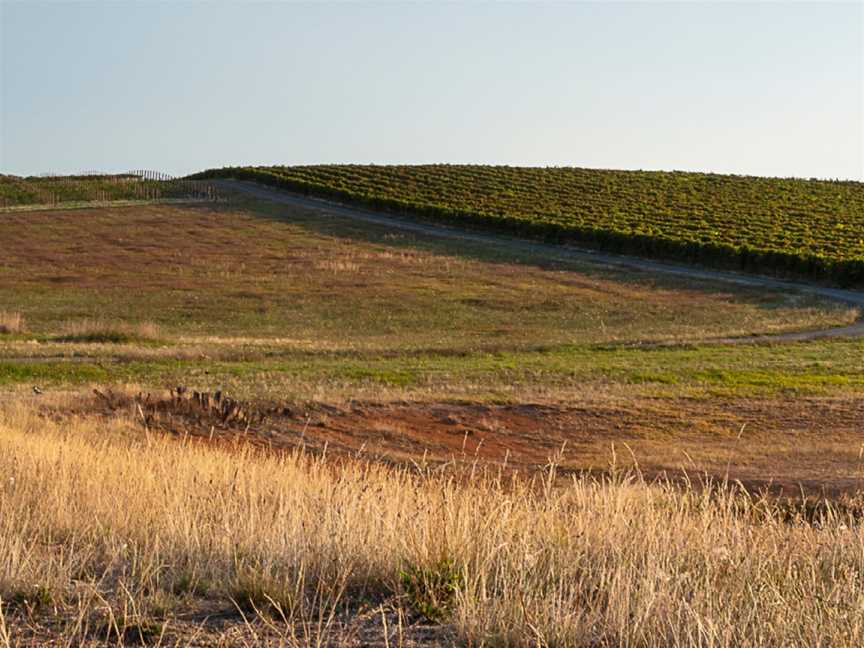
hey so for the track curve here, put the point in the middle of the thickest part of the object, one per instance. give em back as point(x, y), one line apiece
point(566, 252)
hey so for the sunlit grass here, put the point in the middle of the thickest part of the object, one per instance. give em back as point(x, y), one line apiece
point(11, 322)
point(122, 530)
point(110, 332)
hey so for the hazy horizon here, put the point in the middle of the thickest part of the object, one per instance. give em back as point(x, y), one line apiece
point(748, 89)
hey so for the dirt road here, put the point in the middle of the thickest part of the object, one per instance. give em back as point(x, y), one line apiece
point(567, 252)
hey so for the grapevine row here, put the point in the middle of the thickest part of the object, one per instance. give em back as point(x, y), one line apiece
point(810, 228)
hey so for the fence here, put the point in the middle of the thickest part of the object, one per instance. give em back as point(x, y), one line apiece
point(91, 187)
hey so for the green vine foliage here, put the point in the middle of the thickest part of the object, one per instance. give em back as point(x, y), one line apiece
point(783, 226)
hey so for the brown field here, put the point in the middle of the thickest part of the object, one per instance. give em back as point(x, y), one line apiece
point(284, 273)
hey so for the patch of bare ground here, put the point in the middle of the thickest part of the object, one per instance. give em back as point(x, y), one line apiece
point(785, 446)
point(218, 623)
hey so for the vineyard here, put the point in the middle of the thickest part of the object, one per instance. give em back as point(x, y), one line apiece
point(804, 228)
point(19, 192)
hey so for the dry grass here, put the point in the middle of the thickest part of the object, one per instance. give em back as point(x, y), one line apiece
point(123, 531)
point(337, 265)
point(114, 332)
point(11, 322)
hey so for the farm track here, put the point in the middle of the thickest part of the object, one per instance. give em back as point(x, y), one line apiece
point(562, 252)
point(91, 204)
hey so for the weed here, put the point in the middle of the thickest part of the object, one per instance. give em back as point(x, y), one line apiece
point(188, 583)
point(432, 589)
point(259, 594)
point(32, 600)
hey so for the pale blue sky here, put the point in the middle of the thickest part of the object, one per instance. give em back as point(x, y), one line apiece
point(756, 88)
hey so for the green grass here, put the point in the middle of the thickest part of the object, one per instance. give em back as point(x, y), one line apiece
point(801, 227)
point(53, 373)
point(813, 368)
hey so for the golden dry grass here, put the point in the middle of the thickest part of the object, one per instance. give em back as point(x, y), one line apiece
point(11, 322)
point(122, 530)
point(102, 330)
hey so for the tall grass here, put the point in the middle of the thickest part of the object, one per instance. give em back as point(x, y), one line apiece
point(111, 332)
point(131, 526)
point(11, 322)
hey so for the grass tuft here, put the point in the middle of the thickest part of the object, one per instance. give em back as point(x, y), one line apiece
point(31, 600)
point(97, 331)
point(432, 590)
point(11, 322)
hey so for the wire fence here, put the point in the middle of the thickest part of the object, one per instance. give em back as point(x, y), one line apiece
point(95, 187)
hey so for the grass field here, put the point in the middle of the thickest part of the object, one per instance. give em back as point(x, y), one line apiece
point(769, 225)
point(430, 442)
point(235, 272)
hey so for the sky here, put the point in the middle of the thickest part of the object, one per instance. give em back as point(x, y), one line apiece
point(773, 89)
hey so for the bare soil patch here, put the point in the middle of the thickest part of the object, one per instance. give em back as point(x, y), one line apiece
point(784, 446)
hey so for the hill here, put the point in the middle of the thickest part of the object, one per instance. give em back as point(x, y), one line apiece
point(805, 228)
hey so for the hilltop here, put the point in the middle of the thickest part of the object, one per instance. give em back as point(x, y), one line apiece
point(803, 228)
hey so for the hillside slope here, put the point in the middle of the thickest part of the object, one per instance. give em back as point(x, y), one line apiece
point(806, 228)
